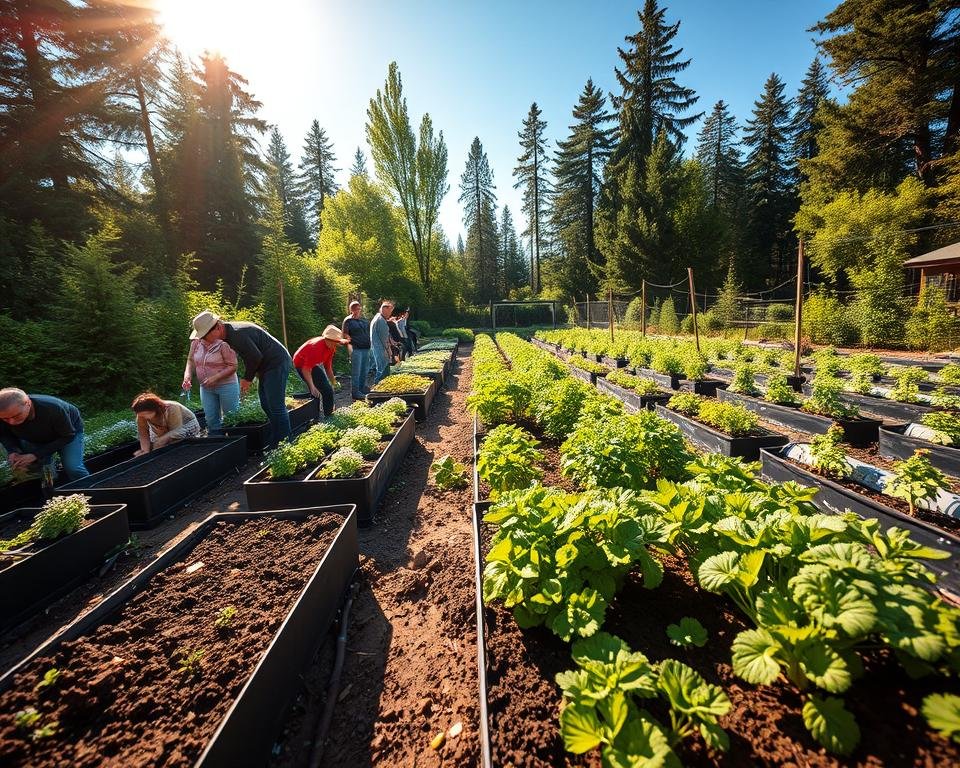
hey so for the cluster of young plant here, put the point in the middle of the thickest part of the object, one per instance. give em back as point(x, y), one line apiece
point(248, 412)
point(105, 438)
point(827, 454)
point(915, 480)
point(779, 391)
point(949, 375)
point(667, 362)
point(908, 378)
point(588, 365)
point(695, 364)
point(864, 370)
point(638, 384)
point(289, 457)
point(606, 696)
point(946, 427)
point(825, 399)
point(731, 419)
point(342, 463)
point(449, 474)
point(9, 475)
point(558, 407)
point(58, 517)
point(507, 459)
point(819, 589)
point(399, 383)
point(742, 381)
point(827, 361)
point(363, 440)
point(557, 559)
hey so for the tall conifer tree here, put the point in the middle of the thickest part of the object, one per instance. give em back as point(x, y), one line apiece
point(807, 123)
point(531, 176)
point(281, 180)
point(359, 167)
point(316, 179)
point(479, 201)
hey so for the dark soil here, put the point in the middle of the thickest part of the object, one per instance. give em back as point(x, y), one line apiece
point(123, 698)
point(157, 466)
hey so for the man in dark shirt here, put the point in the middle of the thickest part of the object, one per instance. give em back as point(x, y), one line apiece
point(263, 356)
point(356, 330)
point(33, 428)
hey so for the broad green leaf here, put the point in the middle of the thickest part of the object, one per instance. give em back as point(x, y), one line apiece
point(750, 565)
point(566, 555)
point(581, 616)
point(754, 652)
point(832, 601)
point(580, 728)
point(651, 568)
point(715, 736)
point(688, 632)
point(942, 711)
point(613, 711)
point(640, 744)
point(824, 666)
point(690, 693)
point(831, 724)
point(718, 570)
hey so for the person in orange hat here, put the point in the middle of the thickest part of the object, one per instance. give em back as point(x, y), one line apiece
point(314, 362)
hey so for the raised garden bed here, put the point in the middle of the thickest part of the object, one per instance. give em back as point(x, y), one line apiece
point(26, 493)
point(631, 398)
point(855, 431)
point(894, 444)
point(836, 498)
point(587, 376)
point(888, 409)
point(614, 362)
point(128, 692)
point(419, 401)
point(365, 491)
point(162, 481)
point(301, 416)
point(665, 380)
point(712, 440)
point(761, 379)
point(110, 457)
point(48, 569)
point(705, 387)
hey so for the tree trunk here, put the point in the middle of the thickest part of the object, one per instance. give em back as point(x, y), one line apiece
point(163, 207)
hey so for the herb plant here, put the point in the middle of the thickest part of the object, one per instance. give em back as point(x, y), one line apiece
point(825, 399)
point(588, 365)
point(667, 362)
point(284, 461)
point(950, 375)
point(779, 391)
point(863, 369)
point(362, 439)
point(687, 403)
point(398, 383)
point(915, 480)
point(559, 406)
point(191, 661)
point(449, 474)
point(344, 462)
point(827, 454)
point(743, 380)
point(909, 379)
point(248, 412)
point(731, 419)
point(507, 458)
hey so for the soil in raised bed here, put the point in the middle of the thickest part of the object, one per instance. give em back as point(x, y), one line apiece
point(156, 467)
point(122, 697)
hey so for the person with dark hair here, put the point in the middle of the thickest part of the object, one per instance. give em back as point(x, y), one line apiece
point(396, 341)
point(263, 357)
point(356, 331)
point(162, 422)
point(412, 335)
point(380, 341)
point(35, 428)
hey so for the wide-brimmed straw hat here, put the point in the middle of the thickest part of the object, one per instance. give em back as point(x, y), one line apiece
point(333, 333)
point(203, 324)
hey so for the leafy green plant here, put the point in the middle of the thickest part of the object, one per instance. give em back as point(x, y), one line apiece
point(915, 480)
point(284, 461)
point(362, 439)
point(945, 400)
point(449, 474)
point(559, 406)
point(248, 412)
point(316, 442)
point(105, 438)
point(825, 399)
point(909, 379)
point(638, 384)
point(394, 405)
point(729, 418)
point(695, 365)
point(25, 719)
point(507, 458)
point(949, 375)
point(225, 617)
point(402, 382)
point(827, 454)
point(667, 362)
point(828, 363)
point(60, 516)
point(779, 391)
point(463, 335)
point(743, 380)
point(689, 632)
point(864, 368)
point(588, 365)
point(344, 462)
point(942, 711)
point(687, 403)
point(947, 424)
point(49, 679)
point(191, 661)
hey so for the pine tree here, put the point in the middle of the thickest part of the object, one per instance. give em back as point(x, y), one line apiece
point(316, 180)
point(359, 167)
point(579, 164)
point(281, 181)
point(807, 123)
point(479, 201)
point(718, 152)
point(531, 176)
point(768, 181)
point(515, 267)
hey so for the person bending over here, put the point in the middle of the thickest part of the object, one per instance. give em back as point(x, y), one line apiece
point(35, 428)
point(314, 362)
point(162, 422)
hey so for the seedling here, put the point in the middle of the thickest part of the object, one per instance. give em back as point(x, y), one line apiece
point(45, 731)
point(190, 662)
point(449, 474)
point(49, 679)
point(915, 480)
point(25, 719)
point(827, 454)
point(225, 617)
point(689, 632)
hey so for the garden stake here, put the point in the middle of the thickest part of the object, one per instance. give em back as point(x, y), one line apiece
point(643, 308)
point(799, 311)
point(693, 308)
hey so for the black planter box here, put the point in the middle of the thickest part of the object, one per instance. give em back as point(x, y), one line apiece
point(745, 447)
point(53, 568)
point(705, 387)
point(834, 498)
point(27, 493)
point(111, 457)
point(364, 492)
point(257, 435)
point(148, 504)
point(587, 376)
point(855, 431)
point(419, 401)
point(437, 377)
point(888, 409)
point(665, 380)
point(894, 444)
point(631, 398)
point(613, 362)
point(247, 732)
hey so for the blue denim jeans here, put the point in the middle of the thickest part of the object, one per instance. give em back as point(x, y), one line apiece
point(321, 382)
point(381, 364)
point(359, 370)
point(71, 456)
point(219, 400)
point(273, 397)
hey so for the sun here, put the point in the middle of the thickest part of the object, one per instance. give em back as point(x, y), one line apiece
point(194, 26)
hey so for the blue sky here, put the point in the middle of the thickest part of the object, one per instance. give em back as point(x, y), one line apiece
point(476, 67)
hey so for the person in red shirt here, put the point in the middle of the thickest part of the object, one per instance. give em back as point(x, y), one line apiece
point(314, 362)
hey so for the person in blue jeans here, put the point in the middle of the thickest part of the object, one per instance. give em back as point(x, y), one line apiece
point(356, 331)
point(216, 368)
point(263, 357)
point(34, 428)
point(380, 341)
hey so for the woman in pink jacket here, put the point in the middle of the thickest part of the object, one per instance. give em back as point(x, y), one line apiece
point(216, 366)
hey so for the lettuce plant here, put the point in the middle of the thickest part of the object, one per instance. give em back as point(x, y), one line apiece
point(559, 407)
point(507, 459)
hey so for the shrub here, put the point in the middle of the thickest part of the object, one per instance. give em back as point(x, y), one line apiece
point(463, 335)
point(422, 327)
point(667, 321)
point(825, 321)
point(780, 313)
point(632, 318)
point(654, 318)
point(774, 330)
point(930, 325)
point(779, 391)
point(743, 380)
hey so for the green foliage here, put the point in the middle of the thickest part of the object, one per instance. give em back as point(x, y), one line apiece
point(947, 424)
point(931, 326)
point(909, 379)
point(588, 365)
point(558, 408)
point(632, 316)
point(361, 439)
point(449, 474)
point(248, 412)
point(827, 454)
point(863, 368)
point(779, 391)
point(190, 662)
point(729, 418)
point(743, 380)
point(284, 461)
point(463, 335)
point(667, 322)
point(507, 458)
point(689, 632)
point(638, 384)
point(942, 711)
point(830, 723)
point(728, 308)
point(826, 321)
point(667, 361)
point(402, 383)
point(687, 403)
point(825, 399)
point(695, 365)
point(49, 679)
point(949, 375)
point(102, 440)
point(780, 313)
point(342, 463)
point(225, 617)
point(915, 480)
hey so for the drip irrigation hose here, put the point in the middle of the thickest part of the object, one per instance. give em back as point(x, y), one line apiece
point(333, 691)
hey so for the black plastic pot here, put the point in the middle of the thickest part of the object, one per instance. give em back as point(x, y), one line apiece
point(665, 380)
point(363, 492)
point(247, 732)
point(148, 504)
point(587, 376)
point(419, 401)
point(630, 398)
point(745, 447)
point(894, 444)
point(835, 498)
point(705, 387)
point(53, 568)
point(257, 435)
point(855, 431)
point(613, 362)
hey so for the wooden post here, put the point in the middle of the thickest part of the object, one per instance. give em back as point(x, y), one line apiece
point(283, 315)
point(799, 312)
point(643, 308)
point(610, 310)
point(693, 308)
